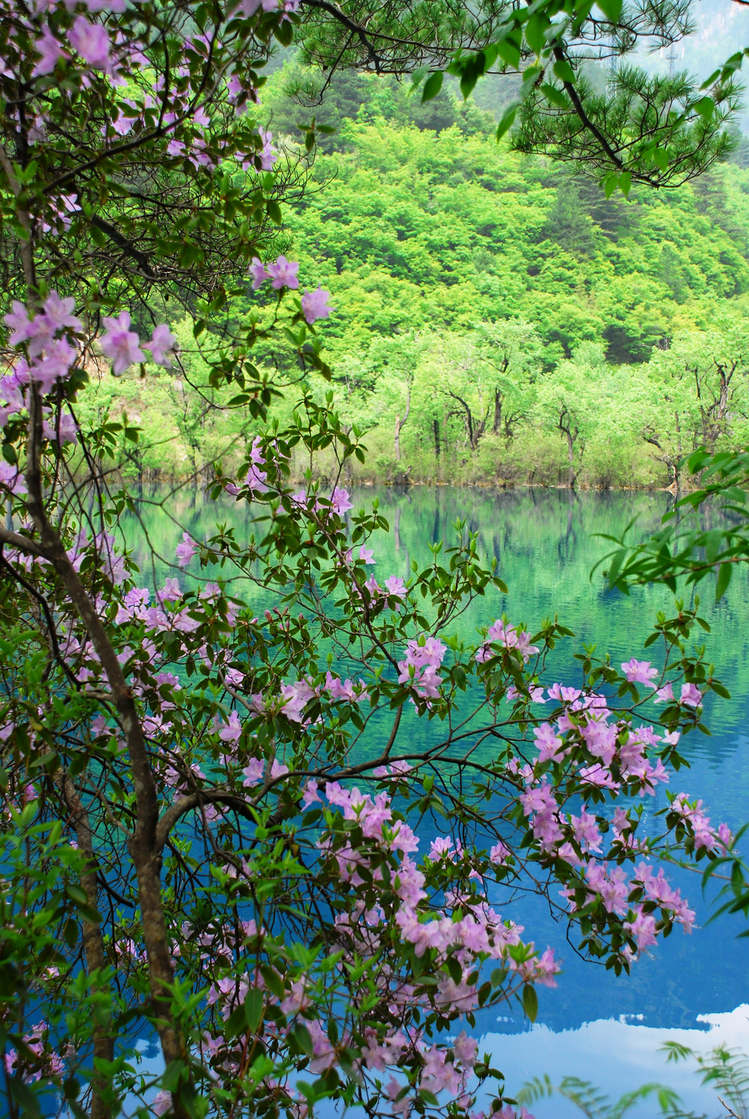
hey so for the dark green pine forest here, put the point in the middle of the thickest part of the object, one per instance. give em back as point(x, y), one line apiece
point(497, 320)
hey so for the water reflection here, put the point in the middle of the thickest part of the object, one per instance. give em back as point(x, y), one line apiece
point(545, 545)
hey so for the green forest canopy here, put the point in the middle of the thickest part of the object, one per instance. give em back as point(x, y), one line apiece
point(529, 329)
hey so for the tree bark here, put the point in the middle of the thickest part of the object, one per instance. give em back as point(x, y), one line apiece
point(399, 423)
point(142, 845)
point(93, 944)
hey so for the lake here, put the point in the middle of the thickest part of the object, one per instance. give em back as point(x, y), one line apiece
point(693, 988)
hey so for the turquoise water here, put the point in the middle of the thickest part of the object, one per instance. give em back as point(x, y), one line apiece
point(593, 1023)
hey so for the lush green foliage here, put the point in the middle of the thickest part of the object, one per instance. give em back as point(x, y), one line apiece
point(505, 300)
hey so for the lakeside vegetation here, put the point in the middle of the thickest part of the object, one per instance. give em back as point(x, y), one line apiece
point(498, 321)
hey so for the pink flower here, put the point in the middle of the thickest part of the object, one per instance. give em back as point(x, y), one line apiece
point(639, 672)
point(185, 550)
point(120, 344)
point(231, 731)
point(395, 586)
point(12, 478)
point(162, 341)
point(642, 929)
point(315, 305)
point(340, 501)
point(284, 273)
point(258, 273)
point(499, 853)
point(253, 773)
point(665, 694)
point(19, 322)
point(58, 358)
point(62, 429)
point(51, 52)
point(549, 744)
point(268, 154)
point(91, 41)
point(161, 1103)
point(58, 312)
point(366, 555)
point(690, 695)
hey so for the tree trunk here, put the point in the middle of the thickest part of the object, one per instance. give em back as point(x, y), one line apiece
point(400, 422)
point(497, 411)
point(93, 946)
point(570, 460)
point(436, 429)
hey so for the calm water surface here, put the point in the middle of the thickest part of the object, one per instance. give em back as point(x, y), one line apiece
point(693, 988)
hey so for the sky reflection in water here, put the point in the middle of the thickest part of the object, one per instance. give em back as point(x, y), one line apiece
point(592, 1024)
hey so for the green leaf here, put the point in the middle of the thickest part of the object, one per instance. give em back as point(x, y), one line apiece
point(660, 158)
point(432, 86)
point(534, 31)
point(555, 96)
point(253, 1008)
point(530, 1002)
point(705, 107)
point(564, 71)
point(725, 572)
point(509, 52)
point(507, 120)
point(612, 9)
point(284, 33)
point(24, 1097)
point(303, 1038)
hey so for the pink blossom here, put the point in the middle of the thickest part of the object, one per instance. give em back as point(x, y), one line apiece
point(51, 52)
point(253, 773)
point(315, 305)
point(53, 365)
point(58, 312)
point(340, 501)
point(295, 697)
point(566, 694)
point(91, 41)
point(162, 341)
point(185, 550)
point(120, 344)
point(548, 743)
point(400, 1107)
point(310, 794)
point(161, 1103)
point(231, 731)
point(268, 154)
point(642, 929)
point(284, 273)
point(11, 477)
point(396, 587)
point(665, 694)
point(501, 633)
point(63, 429)
point(639, 672)
point(258, 273)
point(19, 322)
point(690, 695)
point(586, 831)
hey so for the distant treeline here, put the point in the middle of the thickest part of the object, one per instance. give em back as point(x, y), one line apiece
point(496, 320)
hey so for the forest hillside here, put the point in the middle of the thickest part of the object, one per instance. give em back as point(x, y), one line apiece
point(497, 320)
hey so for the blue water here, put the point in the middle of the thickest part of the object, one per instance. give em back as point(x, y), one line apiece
point(593, 1024)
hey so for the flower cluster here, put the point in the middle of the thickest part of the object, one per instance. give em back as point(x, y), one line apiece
point(419, 668)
